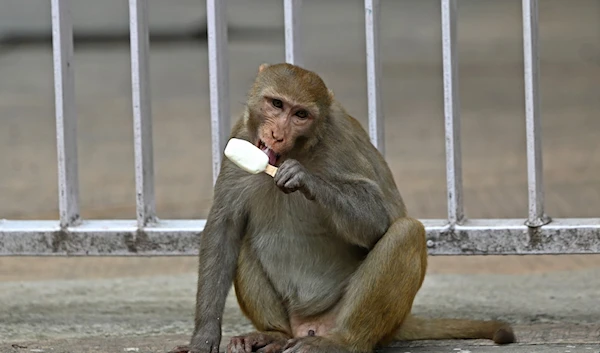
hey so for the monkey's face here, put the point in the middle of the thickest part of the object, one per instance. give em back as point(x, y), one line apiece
point(288, 107)
point(283, 125)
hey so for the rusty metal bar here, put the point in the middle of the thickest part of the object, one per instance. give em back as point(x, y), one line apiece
point(66, 116)
point(374, 95)
point(218, 65)
point(179, 237)
point(142, 112)
point(293, 38)
point(532, 114)
point(452, 112)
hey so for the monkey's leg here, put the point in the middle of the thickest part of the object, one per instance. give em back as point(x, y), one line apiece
point(399, 261)
point(376, 307)
point(379, 295)
point(261, 304)
point(381, 292)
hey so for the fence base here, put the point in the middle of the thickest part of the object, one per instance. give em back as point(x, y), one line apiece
point(180, 237)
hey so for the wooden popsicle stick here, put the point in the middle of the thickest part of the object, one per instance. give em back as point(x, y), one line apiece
point(271, 170)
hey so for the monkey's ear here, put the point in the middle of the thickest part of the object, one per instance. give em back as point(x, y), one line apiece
point(331, 95)
point(262, 67)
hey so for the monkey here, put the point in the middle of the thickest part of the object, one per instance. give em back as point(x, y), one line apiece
point(323, 256)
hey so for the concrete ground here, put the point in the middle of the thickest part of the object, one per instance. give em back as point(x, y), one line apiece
point(112, 304)
point(146, 304)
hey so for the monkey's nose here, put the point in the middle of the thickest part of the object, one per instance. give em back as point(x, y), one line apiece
point(276, 137)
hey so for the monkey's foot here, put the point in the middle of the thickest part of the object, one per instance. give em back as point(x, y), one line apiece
point(180, 349)
point(262, 342)
point(313, 345)
point(275, 347)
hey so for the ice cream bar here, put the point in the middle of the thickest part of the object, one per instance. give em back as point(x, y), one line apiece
point(248, 157)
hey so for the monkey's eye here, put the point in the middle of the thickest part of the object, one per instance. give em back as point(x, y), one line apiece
point(277, 103)
point(302, 114)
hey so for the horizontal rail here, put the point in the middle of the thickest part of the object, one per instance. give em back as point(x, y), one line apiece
point(101, 237)
point(180, 237)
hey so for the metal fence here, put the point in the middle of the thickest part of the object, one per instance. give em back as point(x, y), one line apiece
point(147, 235)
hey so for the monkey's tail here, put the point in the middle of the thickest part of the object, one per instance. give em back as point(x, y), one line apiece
point(416, 328)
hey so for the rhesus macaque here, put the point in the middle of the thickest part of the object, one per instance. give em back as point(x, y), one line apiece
point(323, 256)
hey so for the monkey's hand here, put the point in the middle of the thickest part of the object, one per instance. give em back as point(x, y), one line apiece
point(293, 176)
point(206, 339)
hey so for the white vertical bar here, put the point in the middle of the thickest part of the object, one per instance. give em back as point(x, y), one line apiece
point(142, 111)
point(532, 113)
point(374, 98)
point(66, 118)
point(452, 112)
point(293, 45)
point(218, 64)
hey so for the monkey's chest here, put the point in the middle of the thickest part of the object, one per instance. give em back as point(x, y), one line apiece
point(308, 265)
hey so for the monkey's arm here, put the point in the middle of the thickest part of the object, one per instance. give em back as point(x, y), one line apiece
point(356, 204)
point(219, 248)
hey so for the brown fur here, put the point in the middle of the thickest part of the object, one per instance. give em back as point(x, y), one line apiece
point(340, 260)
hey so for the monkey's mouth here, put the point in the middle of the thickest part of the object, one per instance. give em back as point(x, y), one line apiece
point(273, 157)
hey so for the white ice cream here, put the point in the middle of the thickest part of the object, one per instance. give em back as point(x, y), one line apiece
point(246, 156)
